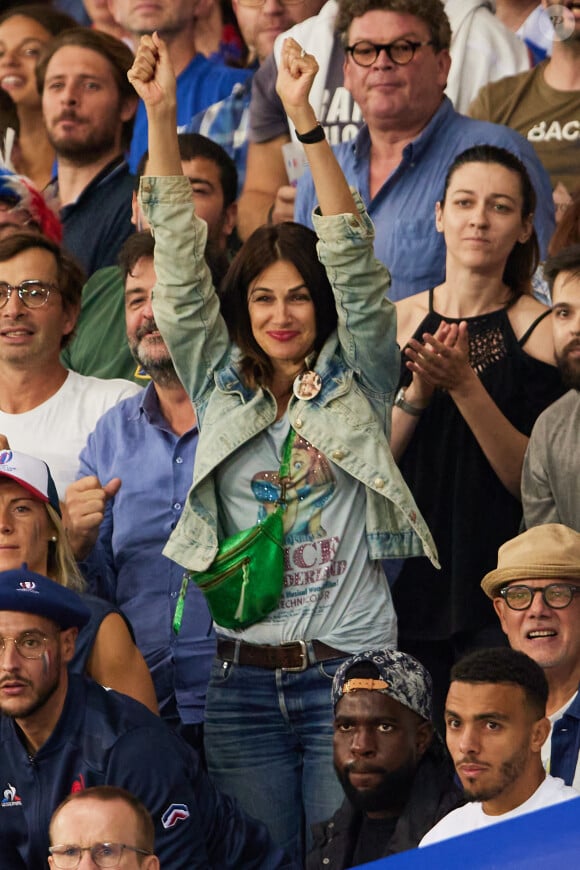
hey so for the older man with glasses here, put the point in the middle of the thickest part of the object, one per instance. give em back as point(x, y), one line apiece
point(396, 69)
point(104, 826)
point(536, 593)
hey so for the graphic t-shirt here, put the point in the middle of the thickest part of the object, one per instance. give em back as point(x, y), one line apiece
point(332, 590)
point(548, 119)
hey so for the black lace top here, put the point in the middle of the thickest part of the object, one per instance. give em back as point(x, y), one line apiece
point(467, 508)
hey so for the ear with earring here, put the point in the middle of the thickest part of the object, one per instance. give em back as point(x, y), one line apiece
point(54, 539)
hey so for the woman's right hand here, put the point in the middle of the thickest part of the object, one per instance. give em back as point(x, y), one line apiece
point(296, 73)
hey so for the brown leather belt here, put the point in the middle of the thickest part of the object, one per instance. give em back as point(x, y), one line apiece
point(294, 656)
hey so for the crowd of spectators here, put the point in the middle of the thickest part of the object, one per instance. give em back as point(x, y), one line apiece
point(340, 239)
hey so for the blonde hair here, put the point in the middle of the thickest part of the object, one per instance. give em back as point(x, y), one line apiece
point(61, 565)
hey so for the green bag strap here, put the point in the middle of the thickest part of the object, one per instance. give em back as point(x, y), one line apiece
point(284, 472)
point(284, 477)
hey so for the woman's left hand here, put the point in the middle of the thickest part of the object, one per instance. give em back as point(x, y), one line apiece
point(442, 360)
point(296, 73)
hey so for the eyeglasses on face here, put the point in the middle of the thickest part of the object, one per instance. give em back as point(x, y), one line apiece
point(29, 644)
point(102, 854)
point(400, 52)
point(554, 595)
point(33, 294)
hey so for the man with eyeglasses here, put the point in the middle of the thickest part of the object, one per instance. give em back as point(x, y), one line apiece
point(482, 49)
point(536, 593)
point(396, 69)
point(61, 733)
point(45, 409)
point(200, 82)
point(104, 827)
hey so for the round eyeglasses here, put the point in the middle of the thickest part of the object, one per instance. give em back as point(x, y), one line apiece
point(555, 595)
point(400, 52)
point(29, 644)
point(102, 854)
point(32, 294)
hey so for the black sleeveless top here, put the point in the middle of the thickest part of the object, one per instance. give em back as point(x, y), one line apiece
point(87, 635)
point(469, 511)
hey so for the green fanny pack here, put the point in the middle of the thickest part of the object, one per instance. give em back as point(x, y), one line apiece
point(245, 581)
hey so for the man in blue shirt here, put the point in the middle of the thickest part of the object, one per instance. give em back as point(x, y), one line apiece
point(134, 475)
point(88, 108)
point(199, 81)
point(396, 69)
point(61, 733)
point(227, 122)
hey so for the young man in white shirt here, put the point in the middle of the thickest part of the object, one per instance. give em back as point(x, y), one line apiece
point(496, 723)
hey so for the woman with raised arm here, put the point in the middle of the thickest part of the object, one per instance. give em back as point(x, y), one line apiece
point(292, 370)
point(477, 370)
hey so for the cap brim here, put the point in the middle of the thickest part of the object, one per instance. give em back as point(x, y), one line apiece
point(27, 486)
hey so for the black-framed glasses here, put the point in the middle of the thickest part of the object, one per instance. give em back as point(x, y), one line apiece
point(33, 294)
point(29, 644)
point(401, 51)
point(555, 595)
point(102, 854)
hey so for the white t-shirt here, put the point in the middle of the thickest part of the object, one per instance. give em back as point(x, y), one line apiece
point(547, 747)
point(57, 430)
point(471, 817)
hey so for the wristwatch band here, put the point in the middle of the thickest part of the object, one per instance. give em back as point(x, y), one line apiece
point(405, 406)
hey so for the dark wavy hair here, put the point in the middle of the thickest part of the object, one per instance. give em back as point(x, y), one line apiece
point(268, 245)
point(524, 256)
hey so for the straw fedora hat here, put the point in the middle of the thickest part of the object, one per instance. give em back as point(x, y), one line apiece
point(547, 552)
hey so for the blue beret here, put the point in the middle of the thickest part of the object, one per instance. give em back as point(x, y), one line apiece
point(402, 677)
point(27, 592)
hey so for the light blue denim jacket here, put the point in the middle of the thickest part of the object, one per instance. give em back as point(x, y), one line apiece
point(349, 420)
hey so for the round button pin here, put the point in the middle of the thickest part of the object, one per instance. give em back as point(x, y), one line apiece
point(307, 385)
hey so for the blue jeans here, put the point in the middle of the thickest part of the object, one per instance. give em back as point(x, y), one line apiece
point(268, 742)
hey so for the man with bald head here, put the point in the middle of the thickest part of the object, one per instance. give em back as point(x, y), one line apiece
point(104, 821)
